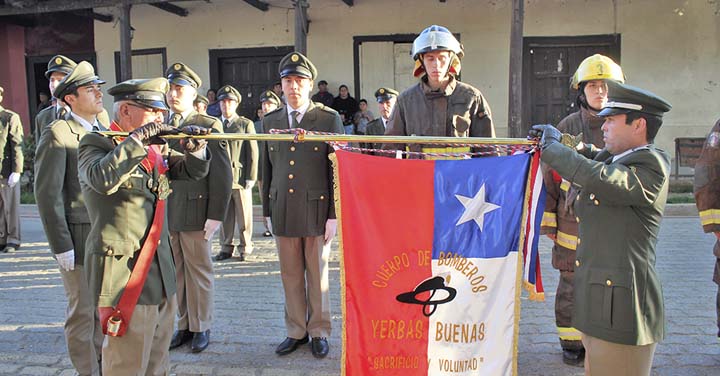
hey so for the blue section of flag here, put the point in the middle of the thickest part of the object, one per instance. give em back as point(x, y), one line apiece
point(504, 179)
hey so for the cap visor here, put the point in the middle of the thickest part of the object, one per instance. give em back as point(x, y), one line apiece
point(609, 111)
point(158, 105)
point(296, 72)
point(180, 81)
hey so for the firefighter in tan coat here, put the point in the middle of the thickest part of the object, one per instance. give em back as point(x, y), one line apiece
point(559, 221)
point(707, 197)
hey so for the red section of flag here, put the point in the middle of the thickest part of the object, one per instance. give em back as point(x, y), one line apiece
point(387, 250)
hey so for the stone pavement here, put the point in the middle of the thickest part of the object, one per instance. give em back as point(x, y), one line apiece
point(249, 313)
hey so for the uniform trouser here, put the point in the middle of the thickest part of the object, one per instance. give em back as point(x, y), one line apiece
point(195, 280)
point(238, 220)
point(144, 349)
point(83, 334)
point(304, 272)
point(9, 213)
point(569, 336)
point(614, 359)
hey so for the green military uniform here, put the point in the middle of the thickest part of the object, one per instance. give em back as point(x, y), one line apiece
point(122, 186)
point(244, 161)
point(298, 196)
point(707, 198)
point(11, 161)
point(377, 127)
point(618, 297)
point(64, 65)
point(66, 222)
point(191, 204)
point(560, 220)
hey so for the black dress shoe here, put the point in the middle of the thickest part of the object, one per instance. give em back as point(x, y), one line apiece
point(267, 234)
point(222, 256)
point(574, 357)
point(242, 256)
point(290, 344)
point(320, 347)
point(200, 341)
point(179, 338)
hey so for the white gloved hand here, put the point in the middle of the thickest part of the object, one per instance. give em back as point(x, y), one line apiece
point(268, 223)
point(211, 227)
point(330, 230)
point(249, 184)
point(13, 179)
point(66, 260)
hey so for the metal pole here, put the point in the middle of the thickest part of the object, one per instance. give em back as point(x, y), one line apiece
point(301, 27)
point(347, 138)
point(125, 42)
point(516, 63)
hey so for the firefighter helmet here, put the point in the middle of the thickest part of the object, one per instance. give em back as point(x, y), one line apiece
point(597, 67)
point(436, 38)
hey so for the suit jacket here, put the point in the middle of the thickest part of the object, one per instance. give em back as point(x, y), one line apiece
point(11, 137)
point(374, 128)
point(243, 154)
point(618, 297)
point(298, 178)
point(50, 114)
point(121, 197)
point(57, 188)
point(192, 202)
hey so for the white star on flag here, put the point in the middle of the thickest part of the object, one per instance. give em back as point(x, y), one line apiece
point(475, 208)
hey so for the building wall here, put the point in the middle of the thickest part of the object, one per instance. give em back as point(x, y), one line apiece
point(669, 47)
point(12, 72)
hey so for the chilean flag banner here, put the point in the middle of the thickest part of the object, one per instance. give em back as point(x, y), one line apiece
point(432, 262)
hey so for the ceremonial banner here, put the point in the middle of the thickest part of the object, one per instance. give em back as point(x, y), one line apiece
point(432, 260)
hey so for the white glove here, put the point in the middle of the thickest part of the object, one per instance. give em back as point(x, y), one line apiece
point(211, 227)
point(249, 184)
point(13, 179)
point(268, 223)
point(66, 260)
point(330, 230)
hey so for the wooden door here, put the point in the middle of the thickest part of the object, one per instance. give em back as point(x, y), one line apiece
point(548, 66)
point(250, 70)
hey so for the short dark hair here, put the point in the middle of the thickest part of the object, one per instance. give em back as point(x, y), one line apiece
point(363, 101)
point(74, 93)
point(653, 123)
point(343, 86)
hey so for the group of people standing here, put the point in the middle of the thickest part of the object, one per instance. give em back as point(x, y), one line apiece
point(130, 219)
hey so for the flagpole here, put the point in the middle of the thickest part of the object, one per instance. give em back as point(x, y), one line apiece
point(300, 137)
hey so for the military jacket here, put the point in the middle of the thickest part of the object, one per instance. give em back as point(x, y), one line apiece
point(375, 128)
point(559, 217)
point(707, 188)
point(121, 197)
point(459, 111)
point(298, 178)
point(243, 154)
point(50, 114)
point(57, 188)
point(618, 297)
point(11, 137)
point(192, 202)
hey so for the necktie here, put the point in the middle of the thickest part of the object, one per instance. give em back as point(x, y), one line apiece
point(175, 120)
point(225, 124)
point(295, 123)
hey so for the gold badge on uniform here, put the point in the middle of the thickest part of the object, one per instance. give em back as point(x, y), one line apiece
point(177, 66)
point(163, 189)
point(295, 58)
point(58, 60)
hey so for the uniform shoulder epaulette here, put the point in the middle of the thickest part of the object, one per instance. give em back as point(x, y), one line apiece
point(207, 118)
point(326, 108)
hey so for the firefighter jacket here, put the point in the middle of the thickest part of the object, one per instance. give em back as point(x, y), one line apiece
point(707, 188)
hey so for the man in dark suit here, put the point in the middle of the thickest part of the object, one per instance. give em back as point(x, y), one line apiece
point(298, 198)
point(196, 210)
point(125, 185)
point(244, 160)
point(619, 305)
point(386, 99)
point(62, 209)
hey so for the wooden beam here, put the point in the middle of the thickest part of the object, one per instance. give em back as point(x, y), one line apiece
point(94, 15)
point(301, 26)
point(515, 128)
point(349, 2)
point(172, 8)
point(263, 6)
point(125, 41)
point(70, 5)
